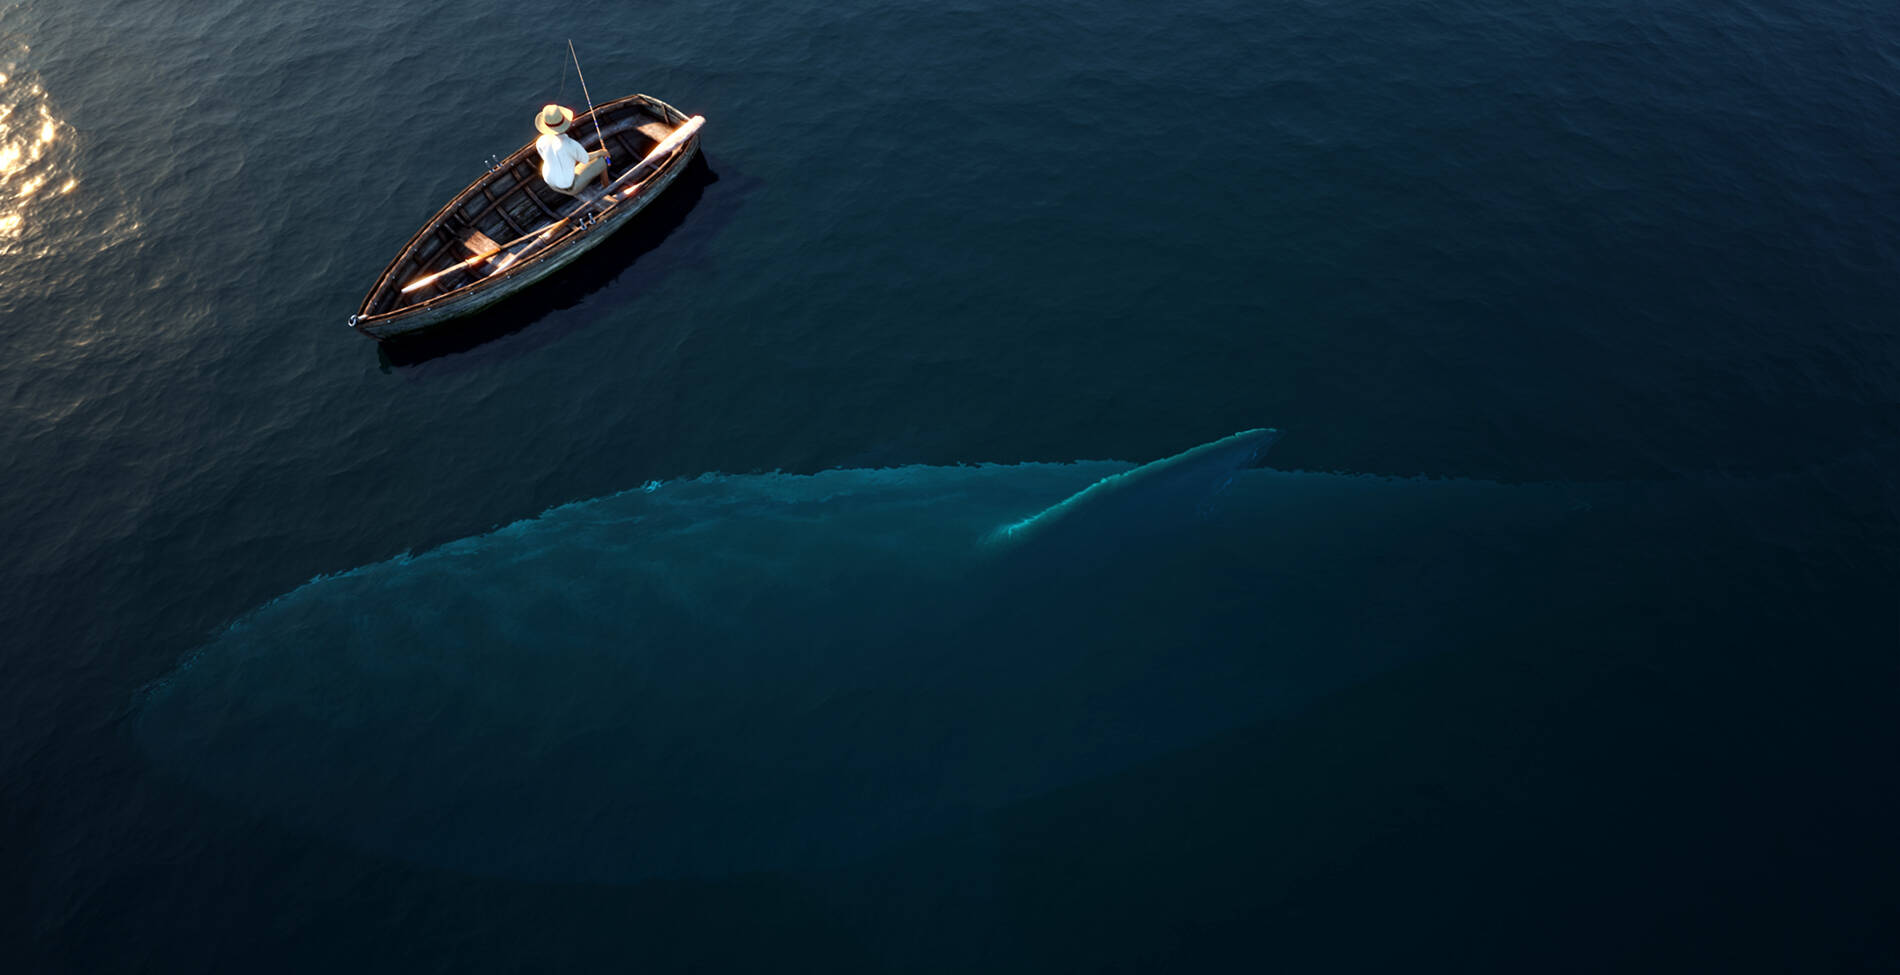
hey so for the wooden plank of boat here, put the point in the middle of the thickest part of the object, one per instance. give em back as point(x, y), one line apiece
point(481, 244)
point(433, 278)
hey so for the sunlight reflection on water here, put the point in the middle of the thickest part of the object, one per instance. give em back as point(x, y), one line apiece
point(37, 150)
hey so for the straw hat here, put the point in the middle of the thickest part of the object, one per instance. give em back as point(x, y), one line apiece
point(554, 119)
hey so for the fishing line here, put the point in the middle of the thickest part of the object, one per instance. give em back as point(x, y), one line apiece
point(607, 170)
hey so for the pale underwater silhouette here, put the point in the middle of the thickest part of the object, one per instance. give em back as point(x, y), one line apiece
point(735, 673)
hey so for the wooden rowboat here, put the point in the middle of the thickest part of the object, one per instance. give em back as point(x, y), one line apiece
point(510, 229)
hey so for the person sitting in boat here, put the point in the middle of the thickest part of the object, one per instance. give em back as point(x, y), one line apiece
point(564, 164)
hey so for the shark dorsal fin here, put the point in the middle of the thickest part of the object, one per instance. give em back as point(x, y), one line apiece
point(1127, 502)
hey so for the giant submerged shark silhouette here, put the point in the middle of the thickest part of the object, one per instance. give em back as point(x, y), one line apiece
point(736, 673)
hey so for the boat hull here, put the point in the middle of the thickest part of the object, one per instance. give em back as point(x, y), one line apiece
point(589, 222)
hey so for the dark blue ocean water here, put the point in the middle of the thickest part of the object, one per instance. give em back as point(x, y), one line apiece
point(1646, 245)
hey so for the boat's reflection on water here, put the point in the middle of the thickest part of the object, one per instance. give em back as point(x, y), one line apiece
point(588, 275)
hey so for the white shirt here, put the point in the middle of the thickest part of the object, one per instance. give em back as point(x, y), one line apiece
point(560, 155)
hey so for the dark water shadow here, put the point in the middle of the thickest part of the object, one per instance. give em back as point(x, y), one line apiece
point(599, 277)
point(1616, 787)
point(1682, 772)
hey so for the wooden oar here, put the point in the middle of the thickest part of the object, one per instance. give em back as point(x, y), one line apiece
point(666, 146)
point(426, 280)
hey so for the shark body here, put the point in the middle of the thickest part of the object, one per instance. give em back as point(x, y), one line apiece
point(739, 673)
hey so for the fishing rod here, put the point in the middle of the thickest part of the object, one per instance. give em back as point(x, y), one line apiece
point(608, 169)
